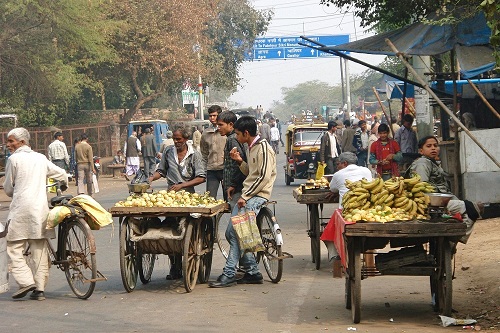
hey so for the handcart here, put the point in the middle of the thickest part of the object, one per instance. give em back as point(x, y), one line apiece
point(426, 248)
point(315, 199)
point(142, 238)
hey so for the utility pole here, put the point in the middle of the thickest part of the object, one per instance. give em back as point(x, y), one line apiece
point(348, 87)
point(200, 97)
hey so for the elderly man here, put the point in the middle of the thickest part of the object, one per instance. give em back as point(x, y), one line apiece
point(132, 148)
point(58, 152)
point(25, 181)
point(149, 151)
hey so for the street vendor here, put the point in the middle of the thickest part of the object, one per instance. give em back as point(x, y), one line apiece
point(183, 168)
point(430, 171)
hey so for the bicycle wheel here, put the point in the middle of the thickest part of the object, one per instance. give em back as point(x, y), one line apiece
point(191, 255)
point(271, 257)
point(145, 264)
point(80, 266)
point(221, 222)
point(128, 257)
point(207, 249)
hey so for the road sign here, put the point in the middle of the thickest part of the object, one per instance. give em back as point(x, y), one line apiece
point(268, 48)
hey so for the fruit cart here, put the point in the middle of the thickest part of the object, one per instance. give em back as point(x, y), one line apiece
point(425, 248)
point(314, 199)
point(143, 235)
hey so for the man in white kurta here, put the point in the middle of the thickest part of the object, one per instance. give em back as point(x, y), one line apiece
point(26, 175)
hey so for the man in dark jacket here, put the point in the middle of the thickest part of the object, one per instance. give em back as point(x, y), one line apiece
point(330, 148)
point(148, 152)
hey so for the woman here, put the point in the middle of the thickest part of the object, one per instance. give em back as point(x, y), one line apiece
point(385, 153)
point(430, 171)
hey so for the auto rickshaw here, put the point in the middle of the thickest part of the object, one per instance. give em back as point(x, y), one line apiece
point(303, 141)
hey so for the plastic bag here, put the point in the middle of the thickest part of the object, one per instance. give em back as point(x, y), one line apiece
point(140, 177)
point(321, 170)
point(245, 226)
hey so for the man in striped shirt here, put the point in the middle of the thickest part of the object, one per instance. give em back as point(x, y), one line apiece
point(58, 153)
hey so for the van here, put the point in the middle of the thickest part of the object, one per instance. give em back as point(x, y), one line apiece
point(159, 127)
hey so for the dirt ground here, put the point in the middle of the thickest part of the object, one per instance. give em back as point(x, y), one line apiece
point(477, 271)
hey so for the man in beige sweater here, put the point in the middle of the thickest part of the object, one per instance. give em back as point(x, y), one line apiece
point(85, 164)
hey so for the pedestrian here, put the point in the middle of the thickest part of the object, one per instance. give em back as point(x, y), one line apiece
point(360, 142)
point(374, 126)
point(394, 125)
point(275, 138)
point(148, 150)
point(212, 150)
point(84, 165)
point(57, 152)
point(278, 125)
point(26, 174)
point(196, 138)
point(385, 154)
point(233, 178)
point(132, 149)
point(348, 136)
point(257, 188)
point(329, 149)
point(407, 140)
point(182, 166)
point(265, 131)
point(73, 167)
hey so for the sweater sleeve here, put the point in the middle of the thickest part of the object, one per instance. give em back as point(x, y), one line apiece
point(264, 166)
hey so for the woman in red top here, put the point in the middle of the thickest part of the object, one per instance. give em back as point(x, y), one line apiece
point(385, 153)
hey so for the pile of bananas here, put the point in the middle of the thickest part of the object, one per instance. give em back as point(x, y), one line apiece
point(399, 194)
point(165, 198)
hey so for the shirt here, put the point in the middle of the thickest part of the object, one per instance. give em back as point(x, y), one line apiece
point(407, 140)
point(57, 151)
point(275, 134)
point(333, 144)
point(351, 172)
point(176, 172)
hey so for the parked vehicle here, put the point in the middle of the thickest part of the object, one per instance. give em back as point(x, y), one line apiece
point(303, 141)
point(159, 127)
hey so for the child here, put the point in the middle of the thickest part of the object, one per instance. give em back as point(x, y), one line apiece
point(385, 153)
point(257, 187)
point(232, 179)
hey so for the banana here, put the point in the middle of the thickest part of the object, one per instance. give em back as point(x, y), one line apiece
point(390, 197)
point(363, 196)
point(400, 200)
point(419, 200)
point(414, 208)
point(366, 184)
point(427, 200)
point(401, 186)
point(374, 197)
point(389, 203)
point(429, 189)
point(382, 199)
point(408, 206)
point(366, 205)
point(360, 191)
point(418, 195)
point(401, 204)
point(416, 189)
point(421, 211)
point(413, 180)
point(421, 184)
point(379, 187)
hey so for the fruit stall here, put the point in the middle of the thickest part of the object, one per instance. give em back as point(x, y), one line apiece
point(405, 225)
point(170, 223)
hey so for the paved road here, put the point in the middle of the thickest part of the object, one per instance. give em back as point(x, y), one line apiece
point(306, 300)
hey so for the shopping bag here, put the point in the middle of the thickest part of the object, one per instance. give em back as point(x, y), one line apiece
point(51, 189)
point(321, 170)
point(245, 226)
point(94, 183)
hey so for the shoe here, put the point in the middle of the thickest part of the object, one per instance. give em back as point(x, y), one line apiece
point(174, 275)
point(37, 295)
point(23, 291)
point(224, 282)
point(251, 279)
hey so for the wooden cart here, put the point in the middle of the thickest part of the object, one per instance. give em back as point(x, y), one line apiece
point(314, 201)
point(143, 236)
point(426, 248)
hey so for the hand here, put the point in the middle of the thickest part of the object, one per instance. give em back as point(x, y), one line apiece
point(241, 203)
point(150, 179)
point(389, 157)
point(235, 155)
point(176, 187)
point(230, 192)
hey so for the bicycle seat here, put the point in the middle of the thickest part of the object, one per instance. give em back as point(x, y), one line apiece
point(55, 201)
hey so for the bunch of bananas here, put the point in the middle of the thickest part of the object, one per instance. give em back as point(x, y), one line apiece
point(403, 195)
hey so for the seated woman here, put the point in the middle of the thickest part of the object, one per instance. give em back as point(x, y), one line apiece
point(182, 166)
point(430, 171)
point(385, 153)
point(119, 158)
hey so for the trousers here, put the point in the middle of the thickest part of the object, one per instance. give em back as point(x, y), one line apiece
point(22, 273)
point(84, 172)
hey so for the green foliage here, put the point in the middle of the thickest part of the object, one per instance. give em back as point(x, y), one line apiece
point(491, 9)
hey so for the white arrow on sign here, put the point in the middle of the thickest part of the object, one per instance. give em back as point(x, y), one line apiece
point(279, 53)
point(312, 52)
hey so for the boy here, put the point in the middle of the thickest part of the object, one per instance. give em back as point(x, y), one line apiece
point(385, 153)
point(257, 187)
point(233, 178)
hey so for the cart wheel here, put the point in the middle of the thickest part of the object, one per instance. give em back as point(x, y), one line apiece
point(145, 264)
point(191, 255)
point(347, 293)
point(288, 179)
point(355, 269)
point(128, 257)
point(207, 248)
point(270, 258)
point(221, 222)
point(314, 234)
point(445, 280)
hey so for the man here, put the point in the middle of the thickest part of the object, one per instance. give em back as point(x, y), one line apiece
point(212, 151)
point(395, 127)
point(132, 148)
point(233, 177)
point(406, 136)
point(183, 168)
point(26, 174)
point(257, 187)
point(148, 148)
point(196, 138)
point(375, 125)
point(360, 142)
point(58, 152)
point(348, 136)
point(329, 149)
point(265, 130)
point(278, 126)
point(84, 165)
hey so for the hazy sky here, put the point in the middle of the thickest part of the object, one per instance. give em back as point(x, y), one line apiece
point(262, 80)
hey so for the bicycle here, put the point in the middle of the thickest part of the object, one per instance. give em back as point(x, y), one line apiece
point(75, 253)
point(270, 232)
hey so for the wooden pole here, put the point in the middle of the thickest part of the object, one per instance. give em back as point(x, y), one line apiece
point(412, 109)
point(480, 94)
point(383, 110)
point(445, 108)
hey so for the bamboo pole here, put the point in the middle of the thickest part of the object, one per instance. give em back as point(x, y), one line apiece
point(412, 109)
point(480, 94)
point(383, 110)
point(445, 108)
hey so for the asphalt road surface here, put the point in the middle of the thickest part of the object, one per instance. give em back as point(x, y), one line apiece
point(306, 299)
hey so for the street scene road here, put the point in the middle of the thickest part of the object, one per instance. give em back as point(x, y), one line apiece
point(305, 300)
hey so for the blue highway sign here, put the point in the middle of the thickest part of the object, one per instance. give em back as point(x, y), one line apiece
point(267, 48)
